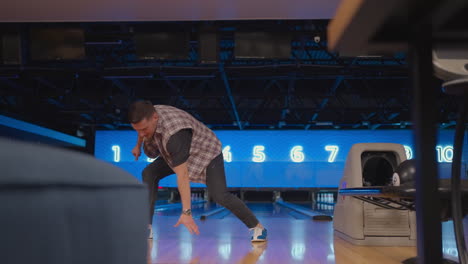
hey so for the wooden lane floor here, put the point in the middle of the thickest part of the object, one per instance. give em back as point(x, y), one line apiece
point(291, 239)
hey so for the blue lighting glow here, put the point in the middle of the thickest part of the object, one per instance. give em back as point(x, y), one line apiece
point(269, 158)
point(358, 191)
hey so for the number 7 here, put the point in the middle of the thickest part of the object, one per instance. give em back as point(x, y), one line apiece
point(333, 152)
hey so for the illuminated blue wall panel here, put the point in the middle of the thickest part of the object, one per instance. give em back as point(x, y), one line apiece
point(18, 129)
point(290, 159)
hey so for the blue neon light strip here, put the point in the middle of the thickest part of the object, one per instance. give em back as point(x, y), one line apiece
point(272, 158)
point(42, 131)
point(359, 191)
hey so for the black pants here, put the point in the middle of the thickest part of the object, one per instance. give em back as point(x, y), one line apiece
point(215, 182)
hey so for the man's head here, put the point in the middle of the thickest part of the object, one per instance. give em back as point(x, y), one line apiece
point(143, 118)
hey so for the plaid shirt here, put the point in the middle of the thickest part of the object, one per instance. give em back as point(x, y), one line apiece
point(205, 144)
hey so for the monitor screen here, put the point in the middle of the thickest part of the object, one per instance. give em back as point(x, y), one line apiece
point(57, 44)
point(10, 48)
point(162, 45)
point(262, 45)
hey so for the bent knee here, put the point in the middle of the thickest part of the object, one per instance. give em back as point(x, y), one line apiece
point(148, 175)
point(151, 175)
point(222, 198)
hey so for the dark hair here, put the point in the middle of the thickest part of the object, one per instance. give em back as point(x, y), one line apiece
point(140, 110)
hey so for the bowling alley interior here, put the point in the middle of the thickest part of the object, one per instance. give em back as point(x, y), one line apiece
point(233, 131)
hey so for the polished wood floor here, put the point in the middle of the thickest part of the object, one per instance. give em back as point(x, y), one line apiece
point(291, 239)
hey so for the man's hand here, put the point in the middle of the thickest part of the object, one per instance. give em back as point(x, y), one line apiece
point(136, 152)
point(189, 223)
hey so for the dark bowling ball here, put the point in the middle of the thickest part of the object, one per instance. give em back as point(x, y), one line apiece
point(405, 173)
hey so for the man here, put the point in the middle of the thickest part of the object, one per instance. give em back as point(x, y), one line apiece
point(184, 146)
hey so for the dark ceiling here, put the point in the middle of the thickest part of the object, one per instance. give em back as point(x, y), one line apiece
point(311, 89)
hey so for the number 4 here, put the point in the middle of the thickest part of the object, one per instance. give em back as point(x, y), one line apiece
point(227, 154)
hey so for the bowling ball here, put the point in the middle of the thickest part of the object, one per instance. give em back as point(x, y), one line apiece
point(405, 173)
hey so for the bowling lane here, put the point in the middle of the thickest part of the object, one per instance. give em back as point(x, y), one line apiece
point(269, 210)
point(292, 238)
point(173, 209)
point(260, 209)
point(319, 207)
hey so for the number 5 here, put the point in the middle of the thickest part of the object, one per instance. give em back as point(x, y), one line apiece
point(259, 156)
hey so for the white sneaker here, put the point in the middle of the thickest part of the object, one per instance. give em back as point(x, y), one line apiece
point(150, 232)
point(258, 234)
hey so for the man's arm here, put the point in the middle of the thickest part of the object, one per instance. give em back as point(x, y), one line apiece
point(139, 141)
point(178, 147)
point(183, 184)
point(136, 151)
